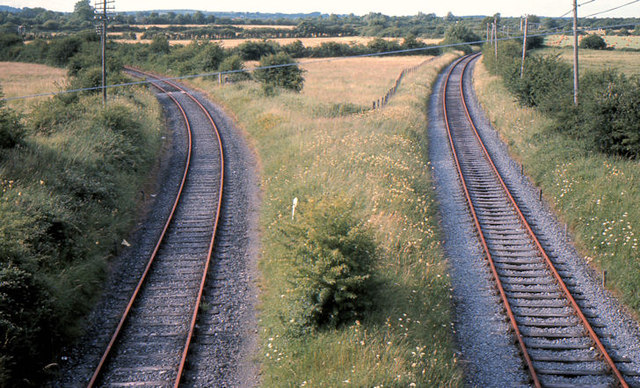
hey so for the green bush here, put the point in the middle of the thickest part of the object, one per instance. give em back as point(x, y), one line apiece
point(593, 42)
point(609, 114)
point(11, 129)
point(607, 117)
point(64, 200)
point(334, 253)
point(231, 63)
point(49, 116)
point(279, 76)
point(546, 82)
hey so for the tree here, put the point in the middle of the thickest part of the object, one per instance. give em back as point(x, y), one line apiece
point(288, 76)
point(593, 42)
point(160, 44)
point(82, 11)
point(210, 56)
point(459, 33)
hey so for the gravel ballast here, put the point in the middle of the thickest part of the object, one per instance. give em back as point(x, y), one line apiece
point(488, 352)
point(226, 337)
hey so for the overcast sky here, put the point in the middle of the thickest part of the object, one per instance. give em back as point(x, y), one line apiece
point(361, 7)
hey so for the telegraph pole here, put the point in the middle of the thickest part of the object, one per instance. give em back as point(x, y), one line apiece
point(524, 44)
point(495, 31)
point(575, 52)
point(102, 9)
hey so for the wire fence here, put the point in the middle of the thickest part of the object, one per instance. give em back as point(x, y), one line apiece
point(381, 102)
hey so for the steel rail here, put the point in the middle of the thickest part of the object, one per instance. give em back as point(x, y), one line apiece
point(538, 245)
point(183, 360)
point(143, 277)
point(485, 247)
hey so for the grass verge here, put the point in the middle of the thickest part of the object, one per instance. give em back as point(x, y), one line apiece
point(376, 161)
point(597, 195)
point(68, 196)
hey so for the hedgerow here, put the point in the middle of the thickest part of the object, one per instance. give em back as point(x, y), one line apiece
point(607, 116)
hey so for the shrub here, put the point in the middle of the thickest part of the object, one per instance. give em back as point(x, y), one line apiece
point(609, 112)
point(333, 257)
point(11, 129)
point(210, 56)
point(287, 77)
point(546, 82)
point(253, 51)
point(232, 63)
point(61, 50)
point(160, 44)
point(593, 42)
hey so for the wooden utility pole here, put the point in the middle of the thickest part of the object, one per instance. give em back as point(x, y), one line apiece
point(102, 9)
point(488, 32)
point(495, 29)
point(575, 52)
point(524, 44)
point(103, 39)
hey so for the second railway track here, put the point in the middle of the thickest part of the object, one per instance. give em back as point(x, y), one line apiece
point(151, 342)
point(559, 343)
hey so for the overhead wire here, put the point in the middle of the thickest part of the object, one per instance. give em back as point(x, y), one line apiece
point(612, 9)
point(222, 73)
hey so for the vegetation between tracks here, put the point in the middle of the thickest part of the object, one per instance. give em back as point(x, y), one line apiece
point(69, 190)
point(373, 165)
point(596, 194)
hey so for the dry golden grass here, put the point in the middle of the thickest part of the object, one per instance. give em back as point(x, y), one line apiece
point(22, 79)
point(307, 42)
point(243, 26)
point(356, 80)
point(619, 42)
point(625, 61)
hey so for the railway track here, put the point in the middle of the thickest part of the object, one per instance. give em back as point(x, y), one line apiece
point(151, 342)
point(549, 317)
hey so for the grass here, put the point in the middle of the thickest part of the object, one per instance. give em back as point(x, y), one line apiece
point(69, 194)
point(614, 41)
point(596, 195)
point(376, 160)
point(21, 79)
point(596, 60)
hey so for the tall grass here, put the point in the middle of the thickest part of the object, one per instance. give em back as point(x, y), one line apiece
point(68, 197)
point(377, 161)
point(597, 195)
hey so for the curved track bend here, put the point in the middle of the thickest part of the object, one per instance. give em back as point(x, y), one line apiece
point(151, 343)
point(559, 345)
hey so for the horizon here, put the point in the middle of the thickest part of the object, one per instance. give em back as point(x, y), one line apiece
point(462, 8)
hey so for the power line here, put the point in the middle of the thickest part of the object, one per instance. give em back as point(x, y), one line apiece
point(612, 9)
point(579, 5)
point(404, 51)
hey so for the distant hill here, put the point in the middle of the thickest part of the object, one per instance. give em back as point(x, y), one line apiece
point(6, 8)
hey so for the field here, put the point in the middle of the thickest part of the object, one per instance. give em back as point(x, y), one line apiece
point(307, 42)
point(21, 79)
point(624, 61)
point(320, 146)
point(618, 42)
point(327, 83)
point(243, 26)
point(595, 194)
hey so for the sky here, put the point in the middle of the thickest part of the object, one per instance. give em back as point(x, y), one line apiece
point(552, 8)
